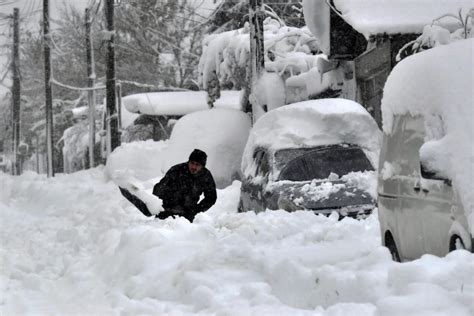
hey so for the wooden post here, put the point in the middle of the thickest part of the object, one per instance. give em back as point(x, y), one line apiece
point(111, 109)
point(16, 105)
point(48, 91)
point(91, 93)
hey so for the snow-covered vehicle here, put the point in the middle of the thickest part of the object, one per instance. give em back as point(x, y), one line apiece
point(425, 187)
point(314, 155)
point(221, 133)
point(159, 111)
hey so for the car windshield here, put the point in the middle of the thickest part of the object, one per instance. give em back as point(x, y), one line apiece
point(319, 162)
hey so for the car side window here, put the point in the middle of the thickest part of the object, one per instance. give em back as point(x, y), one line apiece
point(263, 166)
point(413, 133)
point(434, 132)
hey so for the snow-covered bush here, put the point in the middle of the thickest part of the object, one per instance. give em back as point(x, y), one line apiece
point(434, 35)
point(289, 52)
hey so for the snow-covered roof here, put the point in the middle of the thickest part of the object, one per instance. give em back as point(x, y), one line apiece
point(370, 17)
point(177, 102)
point(439, 82)
point(313, 123)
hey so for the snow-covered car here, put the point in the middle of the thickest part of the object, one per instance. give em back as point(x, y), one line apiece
point(425, 186)
point(315, 155)
point(158, 111)
point(221, 133)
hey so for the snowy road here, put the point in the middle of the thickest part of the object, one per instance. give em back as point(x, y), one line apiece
point(72, 244)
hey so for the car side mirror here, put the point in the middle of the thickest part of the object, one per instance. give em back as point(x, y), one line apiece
point(432, 175)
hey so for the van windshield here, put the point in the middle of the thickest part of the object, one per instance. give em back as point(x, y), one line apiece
point(321, 161)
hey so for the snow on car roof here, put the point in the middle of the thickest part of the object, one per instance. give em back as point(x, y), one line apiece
point(177, 102)
point(439, 82)
point(371, 17)
point(313, 123)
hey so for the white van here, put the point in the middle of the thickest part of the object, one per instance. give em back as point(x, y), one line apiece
point(425, 187)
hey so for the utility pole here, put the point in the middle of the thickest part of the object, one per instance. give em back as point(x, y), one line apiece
point(47, 90)
point(16, 92)
point(111, 109)
point(257, 55)
point(90, 93)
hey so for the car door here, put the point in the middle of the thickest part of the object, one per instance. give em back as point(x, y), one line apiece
point(411, 215)
point(388, 182)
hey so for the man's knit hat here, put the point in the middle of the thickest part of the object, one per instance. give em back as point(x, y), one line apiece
point(198, 156)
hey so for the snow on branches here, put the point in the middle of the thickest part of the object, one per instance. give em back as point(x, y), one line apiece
point(289, 51)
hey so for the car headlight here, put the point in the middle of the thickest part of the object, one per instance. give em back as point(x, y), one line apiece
point(284, 203)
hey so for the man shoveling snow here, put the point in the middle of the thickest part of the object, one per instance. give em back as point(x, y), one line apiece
point(179, 191)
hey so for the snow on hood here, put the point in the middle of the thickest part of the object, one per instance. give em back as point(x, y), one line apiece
point(221, 133)
point(439, 84)
point(177, 102)
point(314, 123)
point(370, 17)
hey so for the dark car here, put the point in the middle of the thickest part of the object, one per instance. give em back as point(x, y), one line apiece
point(309, 179)
point(316, 155)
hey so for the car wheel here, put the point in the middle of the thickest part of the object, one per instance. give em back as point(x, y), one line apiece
point(392, 247)
point(456, 243)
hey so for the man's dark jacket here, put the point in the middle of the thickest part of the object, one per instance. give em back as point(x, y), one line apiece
point(180, 190)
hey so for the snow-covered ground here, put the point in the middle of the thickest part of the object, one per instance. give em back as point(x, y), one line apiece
point(72, 245)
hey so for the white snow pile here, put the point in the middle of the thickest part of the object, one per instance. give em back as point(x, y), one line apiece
point(321, 191)
point(72, 245)
point(177, 102)
point(439, 84)
point(221, 133)
point(142, 160)
point(372, 17)
point(314, 123)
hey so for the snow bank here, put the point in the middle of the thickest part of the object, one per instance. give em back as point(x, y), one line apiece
point(314, 123)
point(143, 160)
point(439, 84)
point(371, 17)
point(72, 245)
point(221, 133)
point(177, 102)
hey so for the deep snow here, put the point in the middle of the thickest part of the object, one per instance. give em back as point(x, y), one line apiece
point(73, 245)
